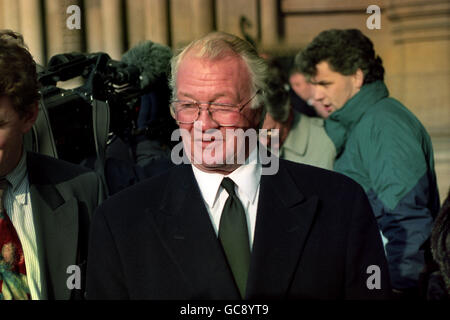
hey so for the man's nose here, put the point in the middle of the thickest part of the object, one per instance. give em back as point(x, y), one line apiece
point(207, 121)
point(318, 93)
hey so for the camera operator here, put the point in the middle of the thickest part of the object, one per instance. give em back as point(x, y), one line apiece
point(147, 152)
point(118, 121)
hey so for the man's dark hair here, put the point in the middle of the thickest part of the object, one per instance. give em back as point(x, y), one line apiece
point(18, 78)
point(346, 51)
point(277, 92)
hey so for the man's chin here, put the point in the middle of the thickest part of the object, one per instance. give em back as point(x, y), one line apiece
point(216, 167)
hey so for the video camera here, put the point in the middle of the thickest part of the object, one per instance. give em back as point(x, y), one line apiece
point(70, 110)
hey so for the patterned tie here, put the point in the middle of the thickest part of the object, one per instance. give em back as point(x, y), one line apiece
point(233, 234)
point(13, 278)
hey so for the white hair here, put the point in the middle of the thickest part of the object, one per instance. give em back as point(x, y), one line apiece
point(218, 45)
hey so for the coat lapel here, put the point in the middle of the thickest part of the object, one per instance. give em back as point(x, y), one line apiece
point(56, 226)
point(283, 221)
point(284, 218)
point(183, 224)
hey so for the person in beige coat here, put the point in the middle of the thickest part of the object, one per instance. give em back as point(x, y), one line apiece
point(301, 138)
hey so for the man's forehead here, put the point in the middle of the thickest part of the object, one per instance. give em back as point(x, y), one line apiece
point(231, 60)
point(297, 76)
point(230, 70)
point(323, 67)
point(323, 73)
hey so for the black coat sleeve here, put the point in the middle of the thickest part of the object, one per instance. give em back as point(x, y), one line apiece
point(367, 273)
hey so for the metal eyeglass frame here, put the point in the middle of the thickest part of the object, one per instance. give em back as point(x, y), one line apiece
point(237, 109)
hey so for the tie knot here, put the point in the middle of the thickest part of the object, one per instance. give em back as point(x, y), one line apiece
point(228, 185)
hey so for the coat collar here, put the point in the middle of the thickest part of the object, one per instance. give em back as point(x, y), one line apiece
point(340, 122)
point(183, 224)
point(284, 218)
point(297, 139)
point(56, 225)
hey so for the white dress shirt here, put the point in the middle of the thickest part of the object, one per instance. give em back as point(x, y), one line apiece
point(17, 204)
point(246, 179)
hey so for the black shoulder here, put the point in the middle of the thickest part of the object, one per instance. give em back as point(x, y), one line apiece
point(45, 169)
point(144, 194)
point(314, 180)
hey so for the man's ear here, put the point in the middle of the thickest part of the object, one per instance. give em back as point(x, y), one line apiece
point(358, 78)
point(30, 117)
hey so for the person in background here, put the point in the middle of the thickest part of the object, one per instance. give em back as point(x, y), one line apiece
point(146, 152)
point(380, 144)
point(300, 93)
point(301, 138)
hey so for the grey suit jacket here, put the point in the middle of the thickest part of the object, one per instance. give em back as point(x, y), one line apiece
point(63, 198)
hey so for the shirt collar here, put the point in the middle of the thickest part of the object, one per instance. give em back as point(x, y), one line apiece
point(352, 111)
point(16, 177)
point(340, 122)
point(246, 177)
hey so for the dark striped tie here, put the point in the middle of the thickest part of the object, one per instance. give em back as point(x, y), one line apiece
point(233, 234)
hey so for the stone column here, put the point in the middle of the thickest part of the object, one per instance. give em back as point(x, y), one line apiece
point(136, 21)
point(421, 72)
point(113, 28)
point(2, 26)
point(202, 17)
point(11, 15)
point(156, 21)
point(60, 38)
point(420, 55)
point(269, 23)
point(94, 25)
point(190, 19)
point(230, 13)
point(31, 26)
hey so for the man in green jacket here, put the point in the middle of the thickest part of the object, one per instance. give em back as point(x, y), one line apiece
point(380, 144)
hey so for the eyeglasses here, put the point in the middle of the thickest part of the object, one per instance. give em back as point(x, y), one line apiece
point(224, 114)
